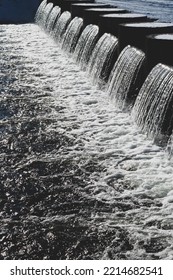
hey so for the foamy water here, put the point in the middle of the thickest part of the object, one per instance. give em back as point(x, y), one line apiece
point(129, 178)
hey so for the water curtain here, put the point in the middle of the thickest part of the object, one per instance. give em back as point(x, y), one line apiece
point(53, 17)
point(126, 77)
point(40, 11)
point(102, 57)
point(86, 44)
point(45, 15)
point(61, 26)
point(72, 34)
point(153, 107)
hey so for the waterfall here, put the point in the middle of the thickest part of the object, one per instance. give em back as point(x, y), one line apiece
point(61, 26)
point(102, 57)
point(78, 180)
point(40, 11)
point(44, 14)
point(72, 34)
point(53, 16)
point(125, 79)
point(153, 107)
point(86, 44)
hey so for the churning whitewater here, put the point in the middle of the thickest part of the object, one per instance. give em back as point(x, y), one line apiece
point(78, 178)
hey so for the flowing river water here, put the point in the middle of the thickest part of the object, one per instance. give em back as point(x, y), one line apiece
point(78, 179)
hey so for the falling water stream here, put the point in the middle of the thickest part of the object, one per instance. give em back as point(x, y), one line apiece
point(153, 108)
point(61, 25)
point(86, 44)
point(102, 57)
point(53, 17)
point(78, 179)
point(45, 13)
point(72, 34)
point(126, 77)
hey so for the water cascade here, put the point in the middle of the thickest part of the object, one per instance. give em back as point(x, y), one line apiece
point(40, 11)
point(103, 58)
point(78, 178)
point(61, 26)
point(98, 56)
point(86, 44)
point(51, 20)
point(72, 34)
point(44, 14)
point(152, 110)
point(126, 77)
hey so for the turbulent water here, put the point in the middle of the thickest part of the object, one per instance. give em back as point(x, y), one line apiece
point(78, 180)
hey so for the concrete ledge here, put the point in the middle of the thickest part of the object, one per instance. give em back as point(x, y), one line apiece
point(135, 33)
point(92, 16)
point(66, 4)
point(159, 49)
point(110, 23)
point(78, 9)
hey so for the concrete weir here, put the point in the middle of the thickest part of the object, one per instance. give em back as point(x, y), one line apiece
point(77, 9)
point(110, 23)
point(66, 4)
point(55, 2)
point(159, 49)
point(135, 33)
point(133, 29)
point(92, 16)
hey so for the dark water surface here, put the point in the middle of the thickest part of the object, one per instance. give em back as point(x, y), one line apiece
point(78, 180)
point(161, 9)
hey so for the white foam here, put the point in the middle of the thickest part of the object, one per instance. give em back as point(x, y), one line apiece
point(135, 172)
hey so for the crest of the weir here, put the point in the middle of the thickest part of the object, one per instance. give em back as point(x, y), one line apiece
point(129, 53)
